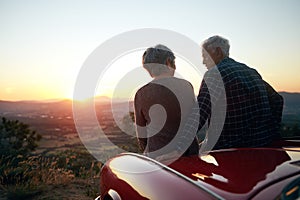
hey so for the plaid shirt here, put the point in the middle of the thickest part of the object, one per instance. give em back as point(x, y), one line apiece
point(241, 108)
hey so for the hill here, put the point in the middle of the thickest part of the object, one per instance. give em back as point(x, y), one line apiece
point(63, 108)
point(291, 99)
point(54, 119)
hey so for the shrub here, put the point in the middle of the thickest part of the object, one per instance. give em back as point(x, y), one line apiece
point(16, 138)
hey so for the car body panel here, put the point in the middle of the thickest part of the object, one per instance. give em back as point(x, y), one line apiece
point(243, 173)
point(239, 173)
point(138, 177)
point(274, 189)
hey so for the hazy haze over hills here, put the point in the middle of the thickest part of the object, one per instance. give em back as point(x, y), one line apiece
point(290, 100)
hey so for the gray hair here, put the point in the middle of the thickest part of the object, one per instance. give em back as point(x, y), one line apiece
point(217, 41)
point(155, 59)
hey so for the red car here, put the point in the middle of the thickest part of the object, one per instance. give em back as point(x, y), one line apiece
point(244, 173)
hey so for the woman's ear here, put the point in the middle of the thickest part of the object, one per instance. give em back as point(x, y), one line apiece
point(170, 63)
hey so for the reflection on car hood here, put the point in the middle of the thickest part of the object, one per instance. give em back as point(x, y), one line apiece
point(239, 171)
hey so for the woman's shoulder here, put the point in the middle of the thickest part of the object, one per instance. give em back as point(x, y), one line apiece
point(180, 80)
point(183, 82)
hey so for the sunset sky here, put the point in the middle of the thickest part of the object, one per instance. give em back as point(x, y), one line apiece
point(44, 43)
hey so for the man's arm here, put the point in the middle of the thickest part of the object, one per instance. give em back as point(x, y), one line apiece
point(196, 119)
point(204, 103)
point(276, 105)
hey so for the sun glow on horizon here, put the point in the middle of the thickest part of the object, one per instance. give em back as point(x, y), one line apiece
point(45, 43)
point(126, 75)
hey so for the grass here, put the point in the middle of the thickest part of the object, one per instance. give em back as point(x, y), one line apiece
point(66, 175)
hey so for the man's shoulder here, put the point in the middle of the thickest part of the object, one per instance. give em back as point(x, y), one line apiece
point(230, 64)
point(231, 67)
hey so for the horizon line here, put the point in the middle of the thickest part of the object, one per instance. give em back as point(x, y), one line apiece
point(100, 96)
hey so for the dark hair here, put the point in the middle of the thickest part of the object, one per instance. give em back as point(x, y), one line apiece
point(159, 54)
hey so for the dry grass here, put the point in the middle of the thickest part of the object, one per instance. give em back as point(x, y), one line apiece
point(69, 175)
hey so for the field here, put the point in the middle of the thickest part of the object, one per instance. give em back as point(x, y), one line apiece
point(78, 176)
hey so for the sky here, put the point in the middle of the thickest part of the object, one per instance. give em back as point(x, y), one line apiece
point(44, 43)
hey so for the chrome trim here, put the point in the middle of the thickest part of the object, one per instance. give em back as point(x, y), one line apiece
point(114, 195)
point(176, 173)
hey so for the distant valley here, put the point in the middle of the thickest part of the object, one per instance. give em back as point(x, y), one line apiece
point(54, 119)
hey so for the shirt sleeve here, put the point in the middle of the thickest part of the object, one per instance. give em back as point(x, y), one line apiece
point(204, 103)
point(141, 132)
point(276, 105)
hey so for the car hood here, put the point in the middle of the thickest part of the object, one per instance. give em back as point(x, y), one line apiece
point(239, 172)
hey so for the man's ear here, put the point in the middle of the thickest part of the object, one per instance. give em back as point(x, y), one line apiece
point(219, 52)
